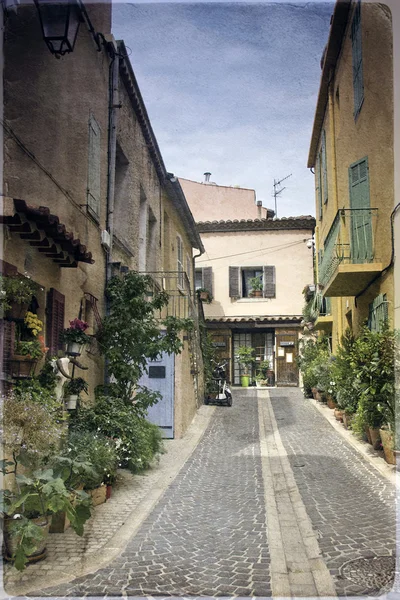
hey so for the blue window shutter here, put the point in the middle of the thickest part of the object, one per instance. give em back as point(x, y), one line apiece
point(378, 313)
point(361, 220)
point(94, 170)
point(324, 166)
point(358, 80)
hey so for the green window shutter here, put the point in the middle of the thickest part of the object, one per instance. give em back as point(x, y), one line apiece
point(234, 290)
point(358, 80)
point(378, 313)
point(324, 166)
point(361, 249)
point(269, 281)
point(94, 162)
point(207, 279)
point(319, 186)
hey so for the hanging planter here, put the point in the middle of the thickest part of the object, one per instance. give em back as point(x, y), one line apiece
point(74, 349)
point(22, 367)
point(71, 401)
point(75, 337)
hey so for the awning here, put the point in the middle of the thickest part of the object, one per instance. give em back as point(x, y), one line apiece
point(270, 320)
point(42, 230)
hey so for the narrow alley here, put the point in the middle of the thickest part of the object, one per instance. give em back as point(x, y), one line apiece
point(272, 502)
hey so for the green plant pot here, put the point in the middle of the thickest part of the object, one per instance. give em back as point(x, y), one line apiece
point(245, 380)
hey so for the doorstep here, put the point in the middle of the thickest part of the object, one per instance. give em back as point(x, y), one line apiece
point(369, 454)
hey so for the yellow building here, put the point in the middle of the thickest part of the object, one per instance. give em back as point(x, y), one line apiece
point(351, 154)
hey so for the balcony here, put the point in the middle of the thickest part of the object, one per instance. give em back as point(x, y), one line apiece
point(348, 263)
point(177, 285)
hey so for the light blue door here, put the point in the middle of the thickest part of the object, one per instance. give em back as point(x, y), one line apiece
point(160, 378)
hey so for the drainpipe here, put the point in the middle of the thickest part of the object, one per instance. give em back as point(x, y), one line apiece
point(113, 106)
point(331, 112)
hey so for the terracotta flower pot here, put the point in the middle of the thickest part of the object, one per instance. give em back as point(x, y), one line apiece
point(330, 401)
point(314, 392)
point(375, 437)
point(99, 495)
point(108, 491)
point(11, 541)
point(338, 414)
point(387, 443)
point(17, 311)
point(347, 419)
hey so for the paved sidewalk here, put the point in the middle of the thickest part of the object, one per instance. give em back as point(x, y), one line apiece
point(113, 523)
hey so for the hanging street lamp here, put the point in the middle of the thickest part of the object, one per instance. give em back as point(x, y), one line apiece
point(60, 22)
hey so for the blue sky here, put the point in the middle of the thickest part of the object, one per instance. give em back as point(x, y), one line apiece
point(231, 88)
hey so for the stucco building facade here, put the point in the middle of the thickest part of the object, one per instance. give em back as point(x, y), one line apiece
point(352, 153)
point(87, 194)
point(236, 250)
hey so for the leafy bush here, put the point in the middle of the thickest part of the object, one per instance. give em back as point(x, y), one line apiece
point(131, 334)
point(314, 354)
point(98, 450)
point(343, 374)
point(137, 441)
point(30, 429)
point(18, 288)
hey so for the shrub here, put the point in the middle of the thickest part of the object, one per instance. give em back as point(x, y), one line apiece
point(314, 353)
point(137, 441)
point(99, 451)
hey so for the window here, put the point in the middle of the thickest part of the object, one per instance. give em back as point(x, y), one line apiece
point(319, 185)
point(94, 162)
point(378, 313)
point(240, 285)
point(179, 260)
point(324, 167)
point(247, 276)
point(358, 83)
point(55, 320)
point(203, 279)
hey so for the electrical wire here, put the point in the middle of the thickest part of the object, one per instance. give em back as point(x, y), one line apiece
point(273, 248)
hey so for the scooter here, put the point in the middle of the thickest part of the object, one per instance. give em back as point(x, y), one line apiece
point(222, 392)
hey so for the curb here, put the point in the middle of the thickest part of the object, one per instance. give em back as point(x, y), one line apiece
point(365, 449)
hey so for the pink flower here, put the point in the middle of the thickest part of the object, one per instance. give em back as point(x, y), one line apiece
point(78, 324)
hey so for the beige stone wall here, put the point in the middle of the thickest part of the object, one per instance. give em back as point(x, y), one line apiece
point(285, 249)
point(211, 202)
point(369, 135)
point(47, 105)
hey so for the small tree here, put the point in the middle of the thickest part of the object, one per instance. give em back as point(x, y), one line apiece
point(246, 357)
point(131, 333)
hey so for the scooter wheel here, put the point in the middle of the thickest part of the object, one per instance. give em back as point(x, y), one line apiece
point(206, 400)
point(229, 401)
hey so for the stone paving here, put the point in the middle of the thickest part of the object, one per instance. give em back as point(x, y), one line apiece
point(208, 533)
point(351, 506)
point(207, 536)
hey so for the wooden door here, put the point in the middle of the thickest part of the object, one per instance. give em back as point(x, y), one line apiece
point(287, 373)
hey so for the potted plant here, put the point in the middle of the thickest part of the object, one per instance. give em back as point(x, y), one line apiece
point(256, 285)
point(204, 295)
point(262, 373)
point(72, 389)
point(246, 358)
point(25, 357)
point(75, 337)
point(16, 295)
point(100, 452)
point(28, 509)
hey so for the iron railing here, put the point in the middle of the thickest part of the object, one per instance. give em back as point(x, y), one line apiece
point(351, 240)
point(177, 285)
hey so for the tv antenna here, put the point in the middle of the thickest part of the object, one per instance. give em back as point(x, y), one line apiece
point(277, 191)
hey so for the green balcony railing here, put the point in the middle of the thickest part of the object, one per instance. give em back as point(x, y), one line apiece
point(350, 241)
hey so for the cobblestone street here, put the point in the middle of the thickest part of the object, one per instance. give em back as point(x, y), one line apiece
point(272, 502)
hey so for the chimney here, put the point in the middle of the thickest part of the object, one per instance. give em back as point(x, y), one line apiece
point(259, 205)
point(207, 176)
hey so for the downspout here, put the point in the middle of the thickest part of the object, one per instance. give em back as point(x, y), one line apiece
point(331, 112)
point(113, 106)
point(111, 158)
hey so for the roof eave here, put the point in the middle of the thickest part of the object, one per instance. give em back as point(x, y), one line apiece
point(335, 40)
point(179, 201)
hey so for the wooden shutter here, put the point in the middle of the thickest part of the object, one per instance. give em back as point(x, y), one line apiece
point(361, 247)
point(269, 281)
point(234, 290)
point(207, 279)
point(319, 185)
point(358, 83)
point(7, 345)
point(55, 320)
point(94, 163)
point(324, 166)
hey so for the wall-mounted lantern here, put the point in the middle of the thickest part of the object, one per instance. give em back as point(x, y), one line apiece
point(60, 22)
